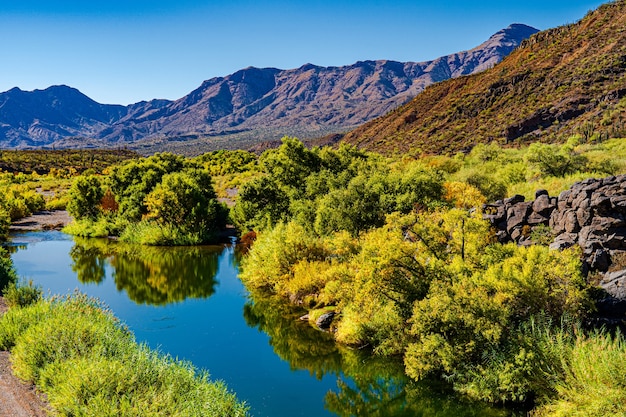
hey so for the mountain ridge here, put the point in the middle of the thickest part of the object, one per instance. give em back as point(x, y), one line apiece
point(263, 102)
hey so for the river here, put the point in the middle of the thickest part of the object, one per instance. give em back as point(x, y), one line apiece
point(188, 302)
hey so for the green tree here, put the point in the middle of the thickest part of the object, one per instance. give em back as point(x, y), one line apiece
point(291, 163)
point(5, 218)
point(7, 272)
point(262, 203)
point(555, 160)
point(134, 180)
point(186, 200)
point(84, 197)
point(354, 209)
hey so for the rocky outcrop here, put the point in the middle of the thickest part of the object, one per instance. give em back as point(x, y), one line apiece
point(325, 320)
point(516, 219)
point(591, 214)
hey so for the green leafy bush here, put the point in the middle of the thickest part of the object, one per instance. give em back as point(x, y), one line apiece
point(462, 319)
point(87, 363)
point(161, 200)
point(7, 272)
point(555, 160)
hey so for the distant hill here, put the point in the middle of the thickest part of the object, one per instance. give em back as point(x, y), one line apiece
point(250, 106)
point(564, 81)
point(32, 119)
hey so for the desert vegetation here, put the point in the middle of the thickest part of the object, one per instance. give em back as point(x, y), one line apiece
point(162, 199)
point(399, 252)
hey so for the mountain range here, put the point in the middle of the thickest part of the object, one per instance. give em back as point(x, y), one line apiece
point(250, 106)
point(565, 81)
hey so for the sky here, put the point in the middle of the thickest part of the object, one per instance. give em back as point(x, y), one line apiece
point(126, 51)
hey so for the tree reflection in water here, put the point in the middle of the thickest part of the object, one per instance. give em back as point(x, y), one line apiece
point(149, 274)
point(367, 385)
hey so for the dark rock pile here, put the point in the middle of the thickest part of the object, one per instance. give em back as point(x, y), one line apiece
point(515, 219)
point(591, 214)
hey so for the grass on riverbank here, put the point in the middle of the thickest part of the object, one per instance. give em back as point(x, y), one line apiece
point(87, 363)
point(594, 381)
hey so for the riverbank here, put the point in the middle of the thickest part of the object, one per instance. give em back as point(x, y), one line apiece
point(68, 344)
point(17, 398)
point(42, 220)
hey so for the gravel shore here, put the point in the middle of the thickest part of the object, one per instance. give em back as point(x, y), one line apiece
point(42, 220)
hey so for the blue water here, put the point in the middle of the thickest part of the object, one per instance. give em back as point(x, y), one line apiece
point(210, 332)
point(189, 303)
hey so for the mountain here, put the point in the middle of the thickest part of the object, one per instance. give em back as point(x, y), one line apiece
point(560, 82)
point(39, 117)
point(253, 103)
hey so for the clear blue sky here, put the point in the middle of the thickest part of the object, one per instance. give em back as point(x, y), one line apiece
point(125, 51)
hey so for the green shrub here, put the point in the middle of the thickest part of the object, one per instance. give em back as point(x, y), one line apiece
point(491, 187)
point(269, 264)
point(139, 383)
point(465, 318)
point(22, 295)
point(84, 197)
point(74, 328)
point(527, 365)
point(34, 201)
point(17, 320)
point(59, 202)
point(187, 201)
point(132, 181)
point(555, 160)
point(17, 208)
point(261, 204)
point(7, 272)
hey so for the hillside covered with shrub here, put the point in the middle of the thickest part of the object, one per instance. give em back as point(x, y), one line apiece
point(560, 82)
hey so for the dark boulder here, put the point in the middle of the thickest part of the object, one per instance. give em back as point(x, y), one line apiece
point(591, 213)
point(325, 320)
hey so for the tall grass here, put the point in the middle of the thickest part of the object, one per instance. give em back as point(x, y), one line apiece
point(528, 366)
point(595, 379)
point(88, 364)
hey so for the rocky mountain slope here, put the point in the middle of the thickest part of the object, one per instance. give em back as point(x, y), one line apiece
point(40, 117)
point(309, 101)
point(563, 81)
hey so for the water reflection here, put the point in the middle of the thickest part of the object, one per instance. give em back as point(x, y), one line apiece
point(366, 385)
point(148, 274)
